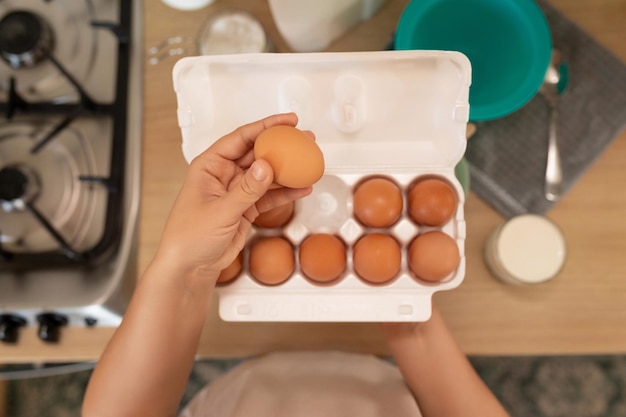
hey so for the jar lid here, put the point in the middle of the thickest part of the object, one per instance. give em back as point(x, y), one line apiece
point(232, 32)
point(531, 248)
point(187, 4)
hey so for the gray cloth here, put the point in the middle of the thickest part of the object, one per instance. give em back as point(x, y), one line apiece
point(507, 157)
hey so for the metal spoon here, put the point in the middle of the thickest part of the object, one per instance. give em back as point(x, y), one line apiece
point(554, 84)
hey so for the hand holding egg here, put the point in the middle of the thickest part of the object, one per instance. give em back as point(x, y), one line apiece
point(225, 189)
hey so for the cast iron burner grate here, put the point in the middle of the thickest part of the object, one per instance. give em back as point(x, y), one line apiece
point(15, 104)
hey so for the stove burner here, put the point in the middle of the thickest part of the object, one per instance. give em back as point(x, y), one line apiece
point(66, 120)
point(13, 183)
point(18, 185)
point(25, 39)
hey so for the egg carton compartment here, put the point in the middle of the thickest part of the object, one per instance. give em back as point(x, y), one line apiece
point(399, 115)
point(329, 210)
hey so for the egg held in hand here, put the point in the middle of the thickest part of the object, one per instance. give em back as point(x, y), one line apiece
point(433, 256)
point(295, 158)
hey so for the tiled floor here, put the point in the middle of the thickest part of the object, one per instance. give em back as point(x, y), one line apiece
point(575, 386)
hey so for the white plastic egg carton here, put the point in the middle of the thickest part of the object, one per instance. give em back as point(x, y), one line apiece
point(396, 114)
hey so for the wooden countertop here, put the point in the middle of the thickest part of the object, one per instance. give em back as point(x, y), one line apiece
point(583, 310)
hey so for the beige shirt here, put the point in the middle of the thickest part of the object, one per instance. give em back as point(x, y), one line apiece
point(303, 384)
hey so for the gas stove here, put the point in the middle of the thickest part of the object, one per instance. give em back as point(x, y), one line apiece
point(70, 155)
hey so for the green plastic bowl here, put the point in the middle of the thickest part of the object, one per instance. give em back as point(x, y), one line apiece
point(508, 43)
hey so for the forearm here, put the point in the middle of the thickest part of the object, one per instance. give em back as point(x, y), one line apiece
point(144, 369)
point(438, 373)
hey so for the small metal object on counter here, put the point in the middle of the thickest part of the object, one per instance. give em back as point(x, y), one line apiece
point(553, 85)
point(176, 45)
point(527, 249)
point(225, 32)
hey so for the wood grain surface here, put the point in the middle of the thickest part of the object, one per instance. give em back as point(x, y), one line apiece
point(3, 398)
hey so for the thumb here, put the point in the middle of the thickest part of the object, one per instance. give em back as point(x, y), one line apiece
point(251, 187)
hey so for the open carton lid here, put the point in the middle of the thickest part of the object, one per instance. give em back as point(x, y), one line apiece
point(382, 111)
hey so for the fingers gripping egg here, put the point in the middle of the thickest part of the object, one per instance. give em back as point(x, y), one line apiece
point(295, 158)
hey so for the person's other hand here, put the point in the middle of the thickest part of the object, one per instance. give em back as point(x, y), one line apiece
point(224, 191)
point(400, 330)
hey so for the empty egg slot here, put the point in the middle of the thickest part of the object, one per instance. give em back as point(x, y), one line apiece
point(325, 210)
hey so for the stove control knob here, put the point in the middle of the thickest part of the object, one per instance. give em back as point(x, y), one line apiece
point(9, 326)
point(50, 326)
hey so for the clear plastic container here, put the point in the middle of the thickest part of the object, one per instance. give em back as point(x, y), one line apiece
point(232, 31)
point(401, 115)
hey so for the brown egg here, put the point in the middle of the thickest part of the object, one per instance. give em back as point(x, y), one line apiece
point(377, 258)
point(295, 158)
point(271, 260)
point(432, 202)
point(322, 257)
point(231, 271)
point(377, 202)
point(433, 256)
point(276, 217)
